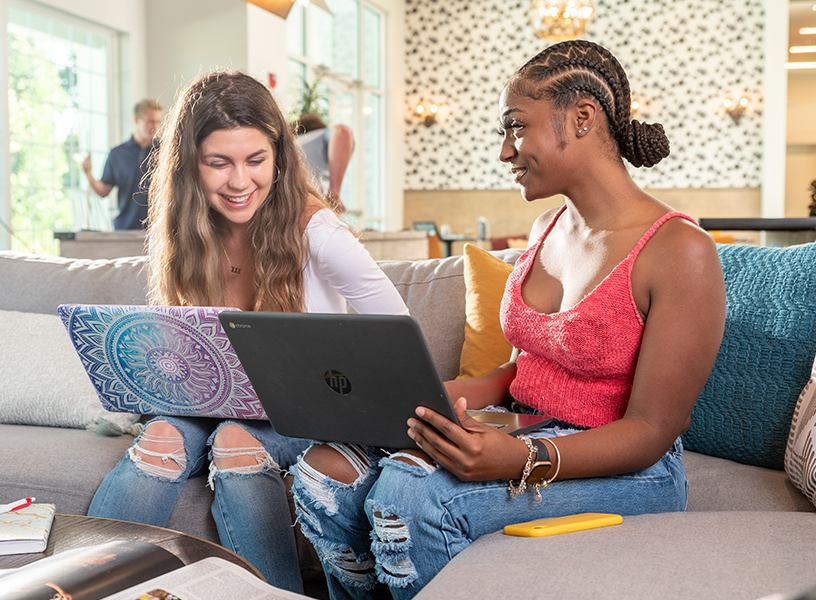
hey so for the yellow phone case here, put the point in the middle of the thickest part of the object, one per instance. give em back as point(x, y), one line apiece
point(579, 522)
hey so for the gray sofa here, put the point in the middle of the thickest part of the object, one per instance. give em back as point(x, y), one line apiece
point(748, 531)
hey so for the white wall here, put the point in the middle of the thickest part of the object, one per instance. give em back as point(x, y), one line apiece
point(266, 51)
point(775, 91)
point(396, 31)
point(189, 37)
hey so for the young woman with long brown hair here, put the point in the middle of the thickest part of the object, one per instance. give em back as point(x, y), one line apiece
point(234, 221)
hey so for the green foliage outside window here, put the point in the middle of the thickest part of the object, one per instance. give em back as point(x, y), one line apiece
point(40, 161)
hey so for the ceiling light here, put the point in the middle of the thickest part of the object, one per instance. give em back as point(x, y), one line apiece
point(807, 31)
point(800, 65)
point(802, 49)
point(558, 20)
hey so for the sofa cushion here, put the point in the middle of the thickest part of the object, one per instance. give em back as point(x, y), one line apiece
point(744, 411)
point(719, 484)
point(43, 381)
point(723, 555)
point(34, 283)
point(800, 455)
point(434, 291)
point(485, 347)
point(59, 466)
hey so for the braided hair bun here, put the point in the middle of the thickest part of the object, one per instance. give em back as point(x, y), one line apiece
point(644, 144)
point(567, 71)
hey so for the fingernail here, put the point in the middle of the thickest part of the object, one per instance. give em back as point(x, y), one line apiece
point(420, 411)
point(411, 434)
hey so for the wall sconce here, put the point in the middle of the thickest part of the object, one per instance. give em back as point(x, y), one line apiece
point(427, 111)
point(735, 108)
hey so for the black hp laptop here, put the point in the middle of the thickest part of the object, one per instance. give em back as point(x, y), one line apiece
point(346, 378)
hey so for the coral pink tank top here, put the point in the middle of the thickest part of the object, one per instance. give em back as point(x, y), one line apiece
point(577, 365)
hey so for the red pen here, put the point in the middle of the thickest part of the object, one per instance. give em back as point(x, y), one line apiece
point(16, 505)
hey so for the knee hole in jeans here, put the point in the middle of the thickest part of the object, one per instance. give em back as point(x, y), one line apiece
point(234, 448)
point(159, 451)
point(347, 464)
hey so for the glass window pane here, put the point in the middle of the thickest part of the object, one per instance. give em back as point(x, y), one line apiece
point(372, 48)
point(320, 27)
point(17, 16)
point(373, 144)
point(346, 37)
point(296, 30)
point(345, 115)
point(297, 75)
point(57, 111)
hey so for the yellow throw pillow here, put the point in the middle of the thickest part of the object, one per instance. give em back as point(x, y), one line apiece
point(485, 347)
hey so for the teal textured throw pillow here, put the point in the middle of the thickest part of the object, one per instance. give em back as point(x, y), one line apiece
point(745, 409)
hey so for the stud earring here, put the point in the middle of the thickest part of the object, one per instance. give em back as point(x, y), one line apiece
point(584, 130)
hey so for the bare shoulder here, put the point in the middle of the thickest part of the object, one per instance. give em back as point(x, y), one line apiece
point(679, 239)
point(540, 225)
point(681, 255)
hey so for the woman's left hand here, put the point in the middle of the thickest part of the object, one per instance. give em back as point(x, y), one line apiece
point(472, 451)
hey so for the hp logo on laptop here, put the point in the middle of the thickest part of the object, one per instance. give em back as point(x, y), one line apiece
point(338, 382)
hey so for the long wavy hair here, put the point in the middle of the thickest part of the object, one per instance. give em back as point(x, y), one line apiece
point(185, 266)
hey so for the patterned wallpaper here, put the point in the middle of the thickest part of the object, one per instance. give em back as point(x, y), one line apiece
point(682, 58)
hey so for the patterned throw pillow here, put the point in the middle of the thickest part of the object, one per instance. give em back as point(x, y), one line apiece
point(745, 409)
point(800, 456)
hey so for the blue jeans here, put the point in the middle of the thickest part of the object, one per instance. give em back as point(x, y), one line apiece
point(251, 510)
point(387, 534)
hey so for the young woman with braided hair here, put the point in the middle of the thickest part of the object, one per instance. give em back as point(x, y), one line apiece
point(617, 310)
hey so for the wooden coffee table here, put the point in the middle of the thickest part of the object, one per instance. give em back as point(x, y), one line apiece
point(70, 532)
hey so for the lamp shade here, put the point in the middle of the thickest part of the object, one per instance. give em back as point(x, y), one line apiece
point(559, 20)
point(282, 7)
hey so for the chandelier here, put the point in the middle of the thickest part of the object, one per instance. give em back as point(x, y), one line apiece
point(559, 20)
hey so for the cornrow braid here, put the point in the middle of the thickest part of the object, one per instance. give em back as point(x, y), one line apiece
point(570, 70)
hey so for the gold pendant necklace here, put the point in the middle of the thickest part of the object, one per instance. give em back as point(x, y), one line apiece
point(233, 269)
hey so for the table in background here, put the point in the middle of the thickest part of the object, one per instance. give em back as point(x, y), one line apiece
point(70, 532)
point(778, 232)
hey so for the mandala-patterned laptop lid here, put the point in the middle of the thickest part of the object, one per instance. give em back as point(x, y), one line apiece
point(161, 360)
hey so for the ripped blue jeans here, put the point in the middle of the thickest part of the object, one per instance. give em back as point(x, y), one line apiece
point(250, 507)
point(387, 534)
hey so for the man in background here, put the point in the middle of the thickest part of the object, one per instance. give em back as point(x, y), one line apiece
point(327, 151)
point(126, 167)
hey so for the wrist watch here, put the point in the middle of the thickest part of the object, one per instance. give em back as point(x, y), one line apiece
point(542, 464)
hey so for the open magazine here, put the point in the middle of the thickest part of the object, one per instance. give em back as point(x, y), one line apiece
point(133, 571)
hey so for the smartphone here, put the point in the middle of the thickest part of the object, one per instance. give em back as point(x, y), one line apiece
point(544, 527)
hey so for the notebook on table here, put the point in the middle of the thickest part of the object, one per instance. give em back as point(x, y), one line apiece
point(346, 378)
point(161, 360)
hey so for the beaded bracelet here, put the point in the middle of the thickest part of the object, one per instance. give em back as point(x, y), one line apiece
point(516, 491)
point(544, 484)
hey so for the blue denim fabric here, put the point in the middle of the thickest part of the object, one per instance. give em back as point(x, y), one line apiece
point(443, 515)
point(251, 511)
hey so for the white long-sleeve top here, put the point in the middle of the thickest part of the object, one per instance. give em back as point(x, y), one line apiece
point(339, 269)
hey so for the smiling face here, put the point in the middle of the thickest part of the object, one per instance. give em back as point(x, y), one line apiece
point(534, 144)
point(236, 171)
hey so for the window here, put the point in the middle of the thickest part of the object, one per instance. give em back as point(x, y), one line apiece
point(60, 91)
point(345, 51)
